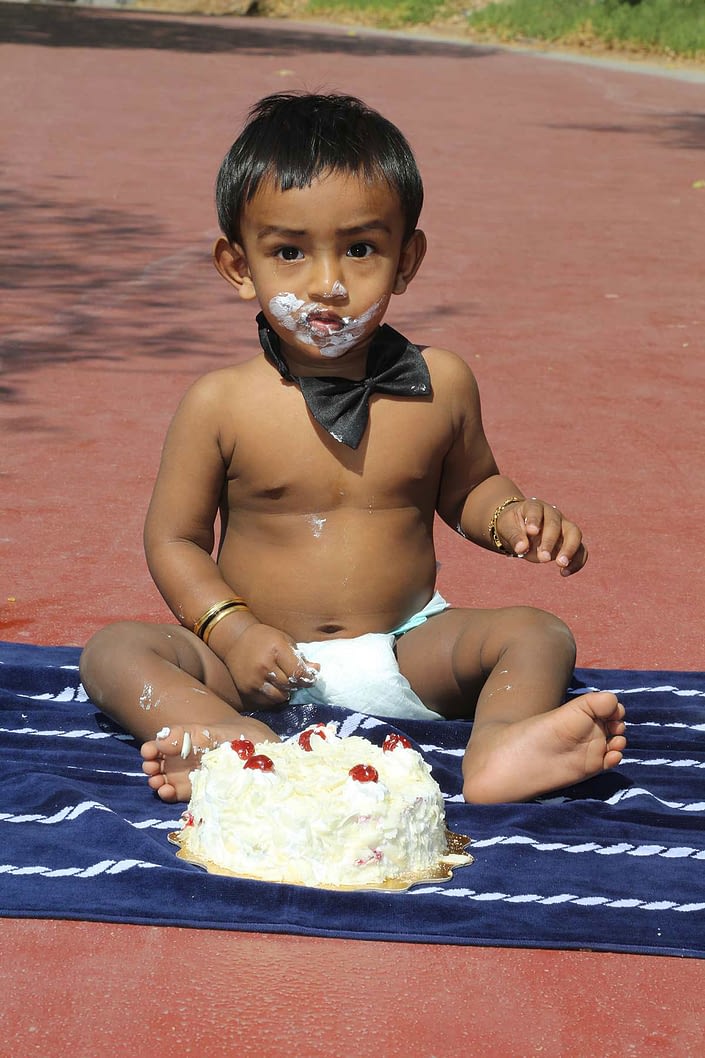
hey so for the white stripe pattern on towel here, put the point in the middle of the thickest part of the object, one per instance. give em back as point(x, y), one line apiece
point(103, 867)
point(664, 762)
point(71, 812)
point(621, 848)
point(69, 694)
point(58, 733)
point(559, 898)
point(625, 795)
point(672, 724)
point(685, 692)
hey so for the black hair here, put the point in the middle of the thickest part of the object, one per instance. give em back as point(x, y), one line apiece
point(293, 137)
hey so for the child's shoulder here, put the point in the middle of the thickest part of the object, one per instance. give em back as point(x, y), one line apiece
point(444, 358)
point(224, 383)
point(448, 368)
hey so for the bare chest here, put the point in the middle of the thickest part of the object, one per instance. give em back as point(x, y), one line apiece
point(281, 457)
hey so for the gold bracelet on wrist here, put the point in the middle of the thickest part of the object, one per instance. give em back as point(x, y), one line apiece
point(492, 528)
point(208, 620)
point(232, 608)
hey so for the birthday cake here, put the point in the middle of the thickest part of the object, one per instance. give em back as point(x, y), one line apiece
point(318, 810)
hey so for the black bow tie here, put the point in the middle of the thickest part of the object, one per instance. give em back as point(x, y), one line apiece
point(340, 405)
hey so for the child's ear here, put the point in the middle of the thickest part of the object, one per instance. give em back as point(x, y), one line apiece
point(412, 254)
point(229, 259)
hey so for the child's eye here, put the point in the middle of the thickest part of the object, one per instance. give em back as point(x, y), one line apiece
point(289, 253)
point(361, 249)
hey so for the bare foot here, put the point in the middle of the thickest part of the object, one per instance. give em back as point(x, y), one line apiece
point(168, 759)
point(515, 762)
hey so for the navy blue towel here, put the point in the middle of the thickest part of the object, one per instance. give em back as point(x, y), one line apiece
point(614, 864)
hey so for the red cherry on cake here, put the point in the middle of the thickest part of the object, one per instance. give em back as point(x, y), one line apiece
point(306, 736)
point(243, 747)
point(363, 773)
point(260, 762)
point(394, 741)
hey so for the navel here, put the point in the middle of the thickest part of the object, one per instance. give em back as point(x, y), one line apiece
point(330, 629)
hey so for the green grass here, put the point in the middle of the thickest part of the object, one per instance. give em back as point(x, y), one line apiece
point(675, 27)
point(666, 27)
point(389, 14)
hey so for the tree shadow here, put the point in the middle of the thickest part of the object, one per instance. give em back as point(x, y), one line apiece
point(681, 129)
point(75, 27)
point(66, 300)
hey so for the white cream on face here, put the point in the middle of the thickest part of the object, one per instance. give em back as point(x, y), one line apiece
point(332, 339)
point(284, 308)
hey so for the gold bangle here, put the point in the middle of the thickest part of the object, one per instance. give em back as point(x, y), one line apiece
point(232, 607)
point(492, 528)
point(207, 618)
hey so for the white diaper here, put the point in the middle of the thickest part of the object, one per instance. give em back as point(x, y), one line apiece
point(361, 674)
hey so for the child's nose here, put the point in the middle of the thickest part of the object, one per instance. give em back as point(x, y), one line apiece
point(327, 281)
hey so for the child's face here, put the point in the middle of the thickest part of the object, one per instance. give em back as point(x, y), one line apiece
point(323, 262)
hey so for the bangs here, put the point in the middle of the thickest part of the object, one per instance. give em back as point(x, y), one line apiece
point(293, 139)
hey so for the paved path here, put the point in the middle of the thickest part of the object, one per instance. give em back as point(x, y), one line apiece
point(565, 263)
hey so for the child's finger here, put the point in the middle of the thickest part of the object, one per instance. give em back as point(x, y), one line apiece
point(274, 693)
point(306, 672)
point(514, 535)
point(572, 539)
point(531, 513)
point(551, 533)
point(512, 527)
point(276, 677)
point(569, 544)
point(575, 563)
point(297, 671)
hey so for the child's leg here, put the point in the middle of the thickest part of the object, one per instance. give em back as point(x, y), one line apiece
point(510, 670)
point(150, 678)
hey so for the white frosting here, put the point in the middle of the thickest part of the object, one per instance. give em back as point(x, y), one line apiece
point(308, 821)
point(297, 316)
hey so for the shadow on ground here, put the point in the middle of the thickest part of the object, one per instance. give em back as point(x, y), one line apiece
point(66, 301)
point(65, 26)
point(682, 129)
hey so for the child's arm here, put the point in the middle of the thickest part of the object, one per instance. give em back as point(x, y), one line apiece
point(486, 507)
point(179, 538)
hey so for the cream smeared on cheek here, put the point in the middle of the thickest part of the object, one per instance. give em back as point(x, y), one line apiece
point(285, 309)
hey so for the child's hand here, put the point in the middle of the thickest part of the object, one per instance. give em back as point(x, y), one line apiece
point(266, 667)
point(537, 531)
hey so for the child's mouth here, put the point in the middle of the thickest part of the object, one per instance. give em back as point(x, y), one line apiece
point(319, 325)
point(322, 323)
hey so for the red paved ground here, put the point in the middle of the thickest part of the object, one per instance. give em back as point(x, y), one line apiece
point(566, 264)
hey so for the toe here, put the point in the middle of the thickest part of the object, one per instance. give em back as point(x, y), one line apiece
point(149, 750)
point(167, 793)
point(613, 757)
point(169, 741)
